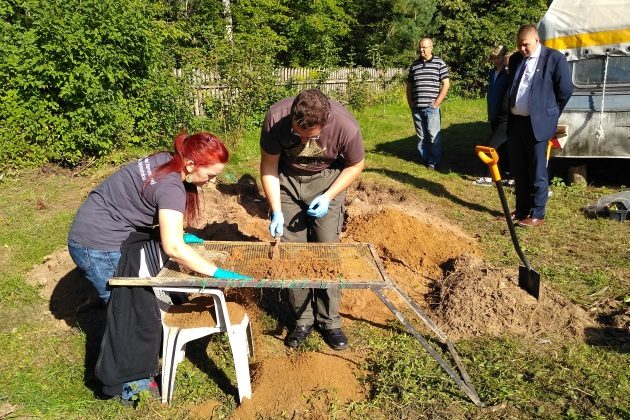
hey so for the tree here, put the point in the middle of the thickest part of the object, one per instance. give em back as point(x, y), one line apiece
point(314, 32)
point(391, 27)
point(468, 29)
point(227, 15)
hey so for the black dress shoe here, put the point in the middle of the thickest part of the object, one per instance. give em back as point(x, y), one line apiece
point(335, 338)
point(298, 335)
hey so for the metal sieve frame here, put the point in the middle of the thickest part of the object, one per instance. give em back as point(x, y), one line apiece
point(221, 252)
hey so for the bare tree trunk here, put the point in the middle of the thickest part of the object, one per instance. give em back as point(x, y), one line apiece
point(227, 15)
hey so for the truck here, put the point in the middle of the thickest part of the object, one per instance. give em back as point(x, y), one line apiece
point(594, 35)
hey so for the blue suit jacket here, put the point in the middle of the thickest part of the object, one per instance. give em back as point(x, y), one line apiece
point(495, 97)
point(551, 88)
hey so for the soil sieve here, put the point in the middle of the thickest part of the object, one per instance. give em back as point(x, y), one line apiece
point(307, 265)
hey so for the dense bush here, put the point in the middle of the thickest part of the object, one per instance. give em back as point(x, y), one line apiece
point(81, 78)
point(248, 84)
point(357, 92)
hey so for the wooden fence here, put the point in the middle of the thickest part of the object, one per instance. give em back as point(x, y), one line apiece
point(331, 82)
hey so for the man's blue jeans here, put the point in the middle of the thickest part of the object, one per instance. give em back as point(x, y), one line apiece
point(97, 266)
point(427, 121)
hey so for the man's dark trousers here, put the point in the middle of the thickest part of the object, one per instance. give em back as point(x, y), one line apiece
point(528, 159)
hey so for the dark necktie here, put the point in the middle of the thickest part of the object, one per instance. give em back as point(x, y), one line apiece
point(517, 82)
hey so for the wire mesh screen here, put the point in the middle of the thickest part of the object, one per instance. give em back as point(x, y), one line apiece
point(327, 262)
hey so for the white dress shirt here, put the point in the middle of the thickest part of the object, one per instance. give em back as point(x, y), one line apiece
point(521, 106)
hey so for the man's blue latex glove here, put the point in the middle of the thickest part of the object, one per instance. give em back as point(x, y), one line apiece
point(319, 206)
point(229, 275)
point(276, 227)
point(189, 238)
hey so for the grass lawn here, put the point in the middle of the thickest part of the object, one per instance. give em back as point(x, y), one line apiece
point(41, 368)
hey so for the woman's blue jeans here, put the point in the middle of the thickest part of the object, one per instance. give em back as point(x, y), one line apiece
point(427, 122)
point(97, 266)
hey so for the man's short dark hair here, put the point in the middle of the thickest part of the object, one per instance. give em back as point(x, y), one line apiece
point(527, 29)
point(310, 108)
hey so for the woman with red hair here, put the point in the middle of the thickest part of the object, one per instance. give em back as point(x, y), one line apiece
point(157, 190)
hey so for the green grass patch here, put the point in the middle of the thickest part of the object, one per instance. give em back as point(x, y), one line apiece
point(14, 292)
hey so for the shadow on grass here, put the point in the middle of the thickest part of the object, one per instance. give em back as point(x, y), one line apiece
point(617, 339)
point(613, 331)
point(196, 352)
point(75, 301)
point(458, 148)
point(434, 188)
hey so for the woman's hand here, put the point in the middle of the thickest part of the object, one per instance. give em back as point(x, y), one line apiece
point(229, 275)
point(172, 237)
point(189, 238)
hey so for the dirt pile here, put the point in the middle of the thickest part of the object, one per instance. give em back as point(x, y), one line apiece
point(412, 245)
point(406, 238)
point(475, 300)
point(300, 386)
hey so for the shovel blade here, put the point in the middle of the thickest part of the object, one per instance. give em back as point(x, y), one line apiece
point(529, 280)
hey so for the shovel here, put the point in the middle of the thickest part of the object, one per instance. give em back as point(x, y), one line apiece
point(528, 278)
point(275, 251)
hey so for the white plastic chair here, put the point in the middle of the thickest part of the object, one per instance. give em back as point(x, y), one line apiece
point(175, 339)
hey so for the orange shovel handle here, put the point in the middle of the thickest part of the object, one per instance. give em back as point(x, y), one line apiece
point(490, 157)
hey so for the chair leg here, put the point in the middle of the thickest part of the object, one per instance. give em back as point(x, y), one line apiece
point(250, 340)
point(166, 366)
point(239, 344)
point(169, 363)
point(179, 352)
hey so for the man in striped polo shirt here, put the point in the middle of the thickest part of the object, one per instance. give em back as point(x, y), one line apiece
point(427, 84)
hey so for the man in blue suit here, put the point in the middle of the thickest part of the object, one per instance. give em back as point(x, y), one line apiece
point(540, 86)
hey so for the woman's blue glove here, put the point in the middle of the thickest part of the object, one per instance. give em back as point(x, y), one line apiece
point(189, 238)
point(319, 206)
point(229, 275)
point(276, 227)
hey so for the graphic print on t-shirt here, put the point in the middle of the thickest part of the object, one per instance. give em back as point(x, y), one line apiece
point(307, 154)
point(145, 170)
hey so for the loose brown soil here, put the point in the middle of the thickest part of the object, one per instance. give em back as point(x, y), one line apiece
point(434, 262)
point(200, 312)
point(304, 265)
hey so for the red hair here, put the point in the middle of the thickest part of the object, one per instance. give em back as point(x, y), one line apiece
point(203, 149)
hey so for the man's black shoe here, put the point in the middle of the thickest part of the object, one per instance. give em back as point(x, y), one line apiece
point(335, 338)
point(298, 335)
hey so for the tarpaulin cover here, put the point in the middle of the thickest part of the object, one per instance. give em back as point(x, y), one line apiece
point(587, 28)
point(620, 202)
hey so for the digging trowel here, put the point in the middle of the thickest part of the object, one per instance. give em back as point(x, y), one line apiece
point(275, 250)
point(528, 278)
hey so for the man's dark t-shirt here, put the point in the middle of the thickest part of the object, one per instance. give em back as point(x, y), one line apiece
point(339, 145)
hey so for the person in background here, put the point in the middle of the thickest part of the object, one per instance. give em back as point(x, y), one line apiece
point(497, 105)
point(540, 87)
point(427, 84)
point(311, 151)
point(158, 190)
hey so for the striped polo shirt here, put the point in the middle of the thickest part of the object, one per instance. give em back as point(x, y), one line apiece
point(425, 79)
